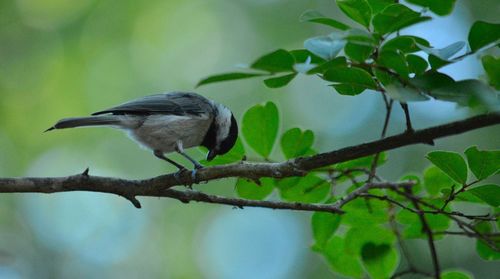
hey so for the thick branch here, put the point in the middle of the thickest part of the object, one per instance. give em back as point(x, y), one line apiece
point(157, 186)
point(393, 142)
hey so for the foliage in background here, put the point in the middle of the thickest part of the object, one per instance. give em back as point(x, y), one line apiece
point(372, 56)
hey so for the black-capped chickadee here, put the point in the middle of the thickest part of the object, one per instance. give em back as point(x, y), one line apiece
point(168, 122)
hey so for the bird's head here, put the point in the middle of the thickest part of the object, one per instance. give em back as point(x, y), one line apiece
point(222, 134)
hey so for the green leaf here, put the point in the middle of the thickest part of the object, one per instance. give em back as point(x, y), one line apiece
point(405, 44)
point(340, 261)
point(358, 52)
point(413, 226)
point(455, 275)
point(432, 80)
point(307, 189)
point(249, 190)
point(317, 17)
point(394, 61)
point(463, 196)
point(416, 64)
point(357, 10)
point(483, 163)
point(379, 5)
point(260, 128)
point(483, 34)
point(443, 53)
point(469, 92)
point(348, 89)
point(322, 68)
point(227, 77)
point(358, 36)
point(437, 63)
point(489, 193)
point(274, 62)
point(350, 75)
point(326, 47)
point(280, 81)
point(360, 214)
point(324, 225)
point(450, 163)
point(435, 180)
point(305, 67)
point(496, 211)
point(485, 252)
point(305, 60)
point(396, 17)
point(440, 7)
point(357, 237)
point(384, 77)
point(296, 143)
point(417, 187)
point(234, 155)
point(482, 248)
point(492, 67)
point(380, 260)
point(404, 93)
point(303, 55)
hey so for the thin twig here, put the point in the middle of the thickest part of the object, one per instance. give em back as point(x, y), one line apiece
point(361, 191)
point(484, 217)
point(468, 234)
point(388, 108)
point(463, 225)
point(406, 110)
point(189, 195)
point(454, 193)
point(428, 232)
point(395, 230)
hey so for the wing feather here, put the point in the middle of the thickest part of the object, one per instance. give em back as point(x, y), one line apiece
point(176, 103)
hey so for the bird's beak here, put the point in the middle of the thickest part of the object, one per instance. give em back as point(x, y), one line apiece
point(211, 155)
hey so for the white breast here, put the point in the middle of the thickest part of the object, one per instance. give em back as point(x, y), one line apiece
point(161, 132)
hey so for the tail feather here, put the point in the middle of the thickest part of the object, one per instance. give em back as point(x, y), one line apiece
point(85, 121)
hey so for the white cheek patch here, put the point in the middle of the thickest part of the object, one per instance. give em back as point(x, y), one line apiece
point(223, 120)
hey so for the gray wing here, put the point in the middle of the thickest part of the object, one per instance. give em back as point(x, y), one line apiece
point(177, 103)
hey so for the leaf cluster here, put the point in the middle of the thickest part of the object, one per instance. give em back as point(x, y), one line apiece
point(371, 54)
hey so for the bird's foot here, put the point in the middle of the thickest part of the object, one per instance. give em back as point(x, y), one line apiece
point(195, 171)
point(178, 175)
point(198, 165)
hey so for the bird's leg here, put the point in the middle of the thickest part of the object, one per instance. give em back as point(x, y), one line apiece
point(181, 168)
point(160, 155)
point(180, 149)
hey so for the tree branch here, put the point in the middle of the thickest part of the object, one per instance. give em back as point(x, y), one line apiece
point(80, 182)
point(158, 186)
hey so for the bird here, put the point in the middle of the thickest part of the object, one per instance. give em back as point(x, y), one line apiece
point(168, 122)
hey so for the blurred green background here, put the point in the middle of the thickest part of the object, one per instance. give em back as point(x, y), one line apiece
point(61, 58)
